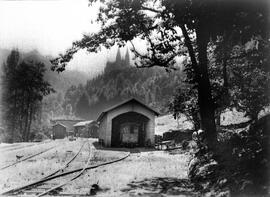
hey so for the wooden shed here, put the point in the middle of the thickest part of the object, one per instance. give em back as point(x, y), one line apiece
point(129, 123)
point(59, 131)
point(86, 129)
point(68, 123)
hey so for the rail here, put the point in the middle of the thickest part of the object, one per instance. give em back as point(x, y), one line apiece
point(55, 175)
point(26, 158)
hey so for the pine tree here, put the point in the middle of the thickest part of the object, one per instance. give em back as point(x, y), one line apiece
point(24, 88)
point(127, 59)
point(82, 106)
point(118, 59)
point(10, 94)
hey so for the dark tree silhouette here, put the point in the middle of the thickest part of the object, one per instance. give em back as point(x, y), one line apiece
point(175, 28)
point(82, 106)
point(23, 91)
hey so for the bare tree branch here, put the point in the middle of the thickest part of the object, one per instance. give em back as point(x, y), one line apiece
point(190, 47)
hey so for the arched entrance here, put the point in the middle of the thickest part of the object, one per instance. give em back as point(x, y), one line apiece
point(129, 129)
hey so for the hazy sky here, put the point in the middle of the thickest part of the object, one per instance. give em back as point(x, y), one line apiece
point(50, 26)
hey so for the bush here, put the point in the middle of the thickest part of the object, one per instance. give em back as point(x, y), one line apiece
point(240, 163)
point(185, 144)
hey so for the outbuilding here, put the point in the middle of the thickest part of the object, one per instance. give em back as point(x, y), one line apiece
point(129, 123)
point(86, 129)
point(67, 123)
point(59, 131)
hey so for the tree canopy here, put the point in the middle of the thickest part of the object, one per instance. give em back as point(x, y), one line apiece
point(23, 90)
point(120, 81)
point(178, 28)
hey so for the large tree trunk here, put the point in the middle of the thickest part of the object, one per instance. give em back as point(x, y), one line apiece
point(26, 119)
point(14, 116)
point(205, 100)
point(21, 113)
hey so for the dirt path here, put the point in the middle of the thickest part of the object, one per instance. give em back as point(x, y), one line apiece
point(149, 173)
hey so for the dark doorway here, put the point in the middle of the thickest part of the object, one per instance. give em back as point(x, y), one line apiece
point(129, 129)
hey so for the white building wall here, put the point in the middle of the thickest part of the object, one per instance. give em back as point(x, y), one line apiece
point(103, 129)
point(129, 107)
point(108, 136)
point(150, 134)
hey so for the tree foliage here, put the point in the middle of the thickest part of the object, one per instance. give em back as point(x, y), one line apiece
point(23, 91)
point(239, 79)
point(121, 81)
point(185, 102)
point(250, 77)
point(82, 106)
point(174, 28)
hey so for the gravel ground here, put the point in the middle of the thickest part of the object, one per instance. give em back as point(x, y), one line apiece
point(149, 173)
point(145, 172)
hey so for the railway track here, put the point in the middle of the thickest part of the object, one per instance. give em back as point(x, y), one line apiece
point(15, 147)
point(52, 184)
point(21, 146)
point(26, 158)
point(41, 186)
point(66, 165)
point(135, 152)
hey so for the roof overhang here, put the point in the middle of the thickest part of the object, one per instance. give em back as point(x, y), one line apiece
point(123, 103)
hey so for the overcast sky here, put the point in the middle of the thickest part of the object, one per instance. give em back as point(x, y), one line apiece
point(50, 26)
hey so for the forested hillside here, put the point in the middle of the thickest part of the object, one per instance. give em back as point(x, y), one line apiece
point(75, 96)
point(60, 82)
point(120, 81)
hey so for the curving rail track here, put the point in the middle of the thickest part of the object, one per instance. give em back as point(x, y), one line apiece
point(50, 183)
point(43, 184)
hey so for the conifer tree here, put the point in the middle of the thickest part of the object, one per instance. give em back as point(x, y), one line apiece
point(23, 91)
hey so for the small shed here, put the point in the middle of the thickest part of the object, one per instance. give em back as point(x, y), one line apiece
point(59, 131)
point(129, 123)
point(69, 123)
point(86, 129)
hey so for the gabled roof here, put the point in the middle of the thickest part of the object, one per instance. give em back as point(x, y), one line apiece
point(66, 122)
point(123, 103)
point(58, 123)
point(83, 123)
point(65, 119)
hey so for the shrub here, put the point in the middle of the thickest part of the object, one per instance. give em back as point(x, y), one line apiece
point(240, 163)
point(185, 144)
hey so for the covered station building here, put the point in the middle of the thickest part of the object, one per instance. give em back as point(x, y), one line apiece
point(129, 123)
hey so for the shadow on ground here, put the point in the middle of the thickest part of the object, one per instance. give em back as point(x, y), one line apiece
point(160, 186)
point(132, 150)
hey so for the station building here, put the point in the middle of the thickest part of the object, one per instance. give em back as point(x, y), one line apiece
point(129, 123)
